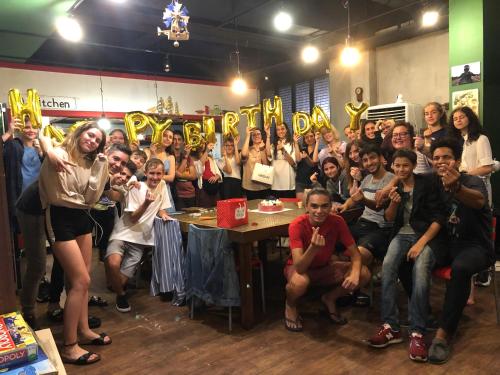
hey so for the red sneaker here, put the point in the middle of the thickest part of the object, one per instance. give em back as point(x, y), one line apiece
point(417, 350)
point(385, 337)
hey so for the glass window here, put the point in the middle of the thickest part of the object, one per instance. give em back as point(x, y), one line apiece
point(322, 93)
point(302, 97)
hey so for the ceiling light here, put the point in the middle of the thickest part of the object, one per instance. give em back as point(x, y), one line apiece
point(350, 56)
point(104, 123)
point(282, 21)
point(266, 78)
point(119, 1)
point(239, 86)
point(69, 28)
point(310, 54)
point(430, 18)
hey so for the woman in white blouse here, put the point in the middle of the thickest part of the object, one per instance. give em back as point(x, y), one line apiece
point(477, 158)
point(284, 154)
point(230, 165)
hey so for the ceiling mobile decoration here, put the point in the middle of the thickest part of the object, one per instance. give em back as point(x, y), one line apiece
point(176, 19)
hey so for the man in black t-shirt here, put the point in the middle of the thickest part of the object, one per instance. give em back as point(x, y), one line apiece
point(470, 246)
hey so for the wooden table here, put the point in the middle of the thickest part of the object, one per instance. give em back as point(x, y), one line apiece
point(260, 227)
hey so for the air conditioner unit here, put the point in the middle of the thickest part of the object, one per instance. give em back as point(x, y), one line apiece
point(412, 113)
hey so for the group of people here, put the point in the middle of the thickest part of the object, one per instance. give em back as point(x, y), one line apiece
point(426, 203)
point(413, 194)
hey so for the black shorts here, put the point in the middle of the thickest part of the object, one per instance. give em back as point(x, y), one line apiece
point(69, 223)
point(370, 236)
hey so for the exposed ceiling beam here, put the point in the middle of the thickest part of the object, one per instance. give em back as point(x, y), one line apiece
point(209, 33)
point(244, 12)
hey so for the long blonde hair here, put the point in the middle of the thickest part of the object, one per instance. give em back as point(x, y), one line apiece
point(70, 143)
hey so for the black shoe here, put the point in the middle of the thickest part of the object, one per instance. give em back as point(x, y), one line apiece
point(94, 322)
point(30, 319)
point(122, 304)
point(43, 291)
point(483, 279)
point(361, 299)
point(56, 315)
point(97, 301)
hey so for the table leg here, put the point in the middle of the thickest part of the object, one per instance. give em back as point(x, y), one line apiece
point(246, 285)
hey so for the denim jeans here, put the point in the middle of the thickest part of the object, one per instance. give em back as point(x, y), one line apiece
point(421, 279)
point(210, 269)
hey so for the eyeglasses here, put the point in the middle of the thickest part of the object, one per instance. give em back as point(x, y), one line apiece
point(400, 135)
point(256, 135)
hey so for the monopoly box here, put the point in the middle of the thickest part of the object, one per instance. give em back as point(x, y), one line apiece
point(17, 343)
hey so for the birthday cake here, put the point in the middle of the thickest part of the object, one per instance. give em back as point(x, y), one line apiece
point(17, 343)
point(271, 205)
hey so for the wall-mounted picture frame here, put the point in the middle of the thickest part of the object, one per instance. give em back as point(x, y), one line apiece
point(469, 98)
point(466, 73)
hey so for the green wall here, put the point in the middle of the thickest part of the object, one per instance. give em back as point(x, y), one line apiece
point(466, 41)
point(475, 36)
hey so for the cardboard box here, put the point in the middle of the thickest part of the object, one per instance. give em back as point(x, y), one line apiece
point(47, 343)
point(17, 343)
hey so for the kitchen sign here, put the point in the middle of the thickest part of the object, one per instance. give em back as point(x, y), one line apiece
point(63, 103)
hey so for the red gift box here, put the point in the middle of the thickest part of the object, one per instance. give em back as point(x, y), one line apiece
point(232, 213)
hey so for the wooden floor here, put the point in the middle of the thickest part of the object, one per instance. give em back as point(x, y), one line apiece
point(158, 338)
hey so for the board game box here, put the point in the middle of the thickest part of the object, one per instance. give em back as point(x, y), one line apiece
point(17, 342)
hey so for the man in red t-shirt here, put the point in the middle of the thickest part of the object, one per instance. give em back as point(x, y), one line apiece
point(313, 237)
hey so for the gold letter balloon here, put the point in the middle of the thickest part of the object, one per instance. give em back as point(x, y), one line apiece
point(251, 112)
point(53, 133)
point(301, 123)
point(159, 128)
point(209, 129)
point(31, 108)
point(319, 119)
point(192, 134)
point(135, 122)
point(273, 111)
point(230, 124)
point(355, 113)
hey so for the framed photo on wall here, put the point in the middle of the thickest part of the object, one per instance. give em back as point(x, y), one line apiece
point(466, 73)
point(469, 98)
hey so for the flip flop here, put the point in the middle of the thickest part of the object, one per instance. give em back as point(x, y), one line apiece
point(97, 301)
point(294, 325)
point(98, 341)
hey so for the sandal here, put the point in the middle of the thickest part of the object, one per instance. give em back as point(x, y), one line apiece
point(97, 301)
point(334, 318)
point(83, 360)
point(294, 325)
point(99, 341)
point(56, 315)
